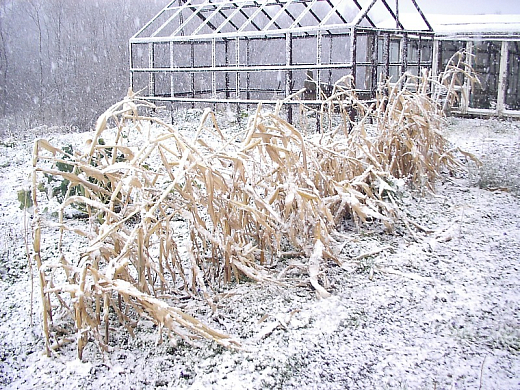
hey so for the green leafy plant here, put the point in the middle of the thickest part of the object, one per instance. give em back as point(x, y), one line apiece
point(25, 199)
point(58, 186)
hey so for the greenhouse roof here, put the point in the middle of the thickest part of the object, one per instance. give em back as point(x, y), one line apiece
point(204, 19)
point(499, 27)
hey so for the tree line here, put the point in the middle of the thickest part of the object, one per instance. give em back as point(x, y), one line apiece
point(63, 62)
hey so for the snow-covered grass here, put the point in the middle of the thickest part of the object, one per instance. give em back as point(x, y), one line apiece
point(438, 310)
point(500, 154)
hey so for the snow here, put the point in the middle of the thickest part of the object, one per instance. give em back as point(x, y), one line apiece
point(451, 25)
point(442, 311)
point(446, 24)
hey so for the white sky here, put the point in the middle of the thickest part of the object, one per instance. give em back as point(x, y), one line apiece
point(468, 7)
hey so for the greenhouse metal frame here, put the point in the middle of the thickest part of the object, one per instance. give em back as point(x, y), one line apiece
point(264, 51)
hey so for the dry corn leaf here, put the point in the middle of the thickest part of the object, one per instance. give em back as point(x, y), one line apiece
point(239, 202)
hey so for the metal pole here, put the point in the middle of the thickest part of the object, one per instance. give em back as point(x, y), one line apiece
point(151, 78)
point(419, 55)
point(318, 77)
point(192, 76)
point(386, 57)
point(213, 64)
point(331, 47)
point(353, 54)
point(226, 55)
point(237, 74)
point(172, 77)
point(404, 54)
point(248, 53)
point(288, 73)
point(374, 61)
point(319, 43)
point(397, 24)
point(131, 66)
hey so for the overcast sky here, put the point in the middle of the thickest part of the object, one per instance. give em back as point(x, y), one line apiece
point(469, 7)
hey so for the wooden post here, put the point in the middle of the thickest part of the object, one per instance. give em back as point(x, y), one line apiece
point(502, 78)
point(435, 57)
point(466, 87)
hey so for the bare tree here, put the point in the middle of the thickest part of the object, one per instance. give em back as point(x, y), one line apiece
point(34, 11)
point(69, 60)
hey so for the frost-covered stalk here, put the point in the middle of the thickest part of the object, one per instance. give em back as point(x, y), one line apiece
point(242, 202)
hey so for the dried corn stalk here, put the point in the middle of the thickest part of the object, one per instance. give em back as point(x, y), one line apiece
point(140, 184)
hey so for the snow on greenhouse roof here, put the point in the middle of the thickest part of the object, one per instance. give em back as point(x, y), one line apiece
point(500, 27)
point(203, 19)
point(477, 26)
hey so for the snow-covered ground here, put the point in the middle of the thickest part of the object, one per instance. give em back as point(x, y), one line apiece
point(438, 311)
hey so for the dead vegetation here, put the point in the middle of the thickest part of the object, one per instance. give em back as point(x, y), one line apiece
point(244, 200)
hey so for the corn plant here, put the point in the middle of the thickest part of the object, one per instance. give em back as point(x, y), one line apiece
point(143, 183)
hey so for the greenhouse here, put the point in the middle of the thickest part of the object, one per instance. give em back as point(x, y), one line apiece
point(266, 51)
point(246, 51)
point(494, 42)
